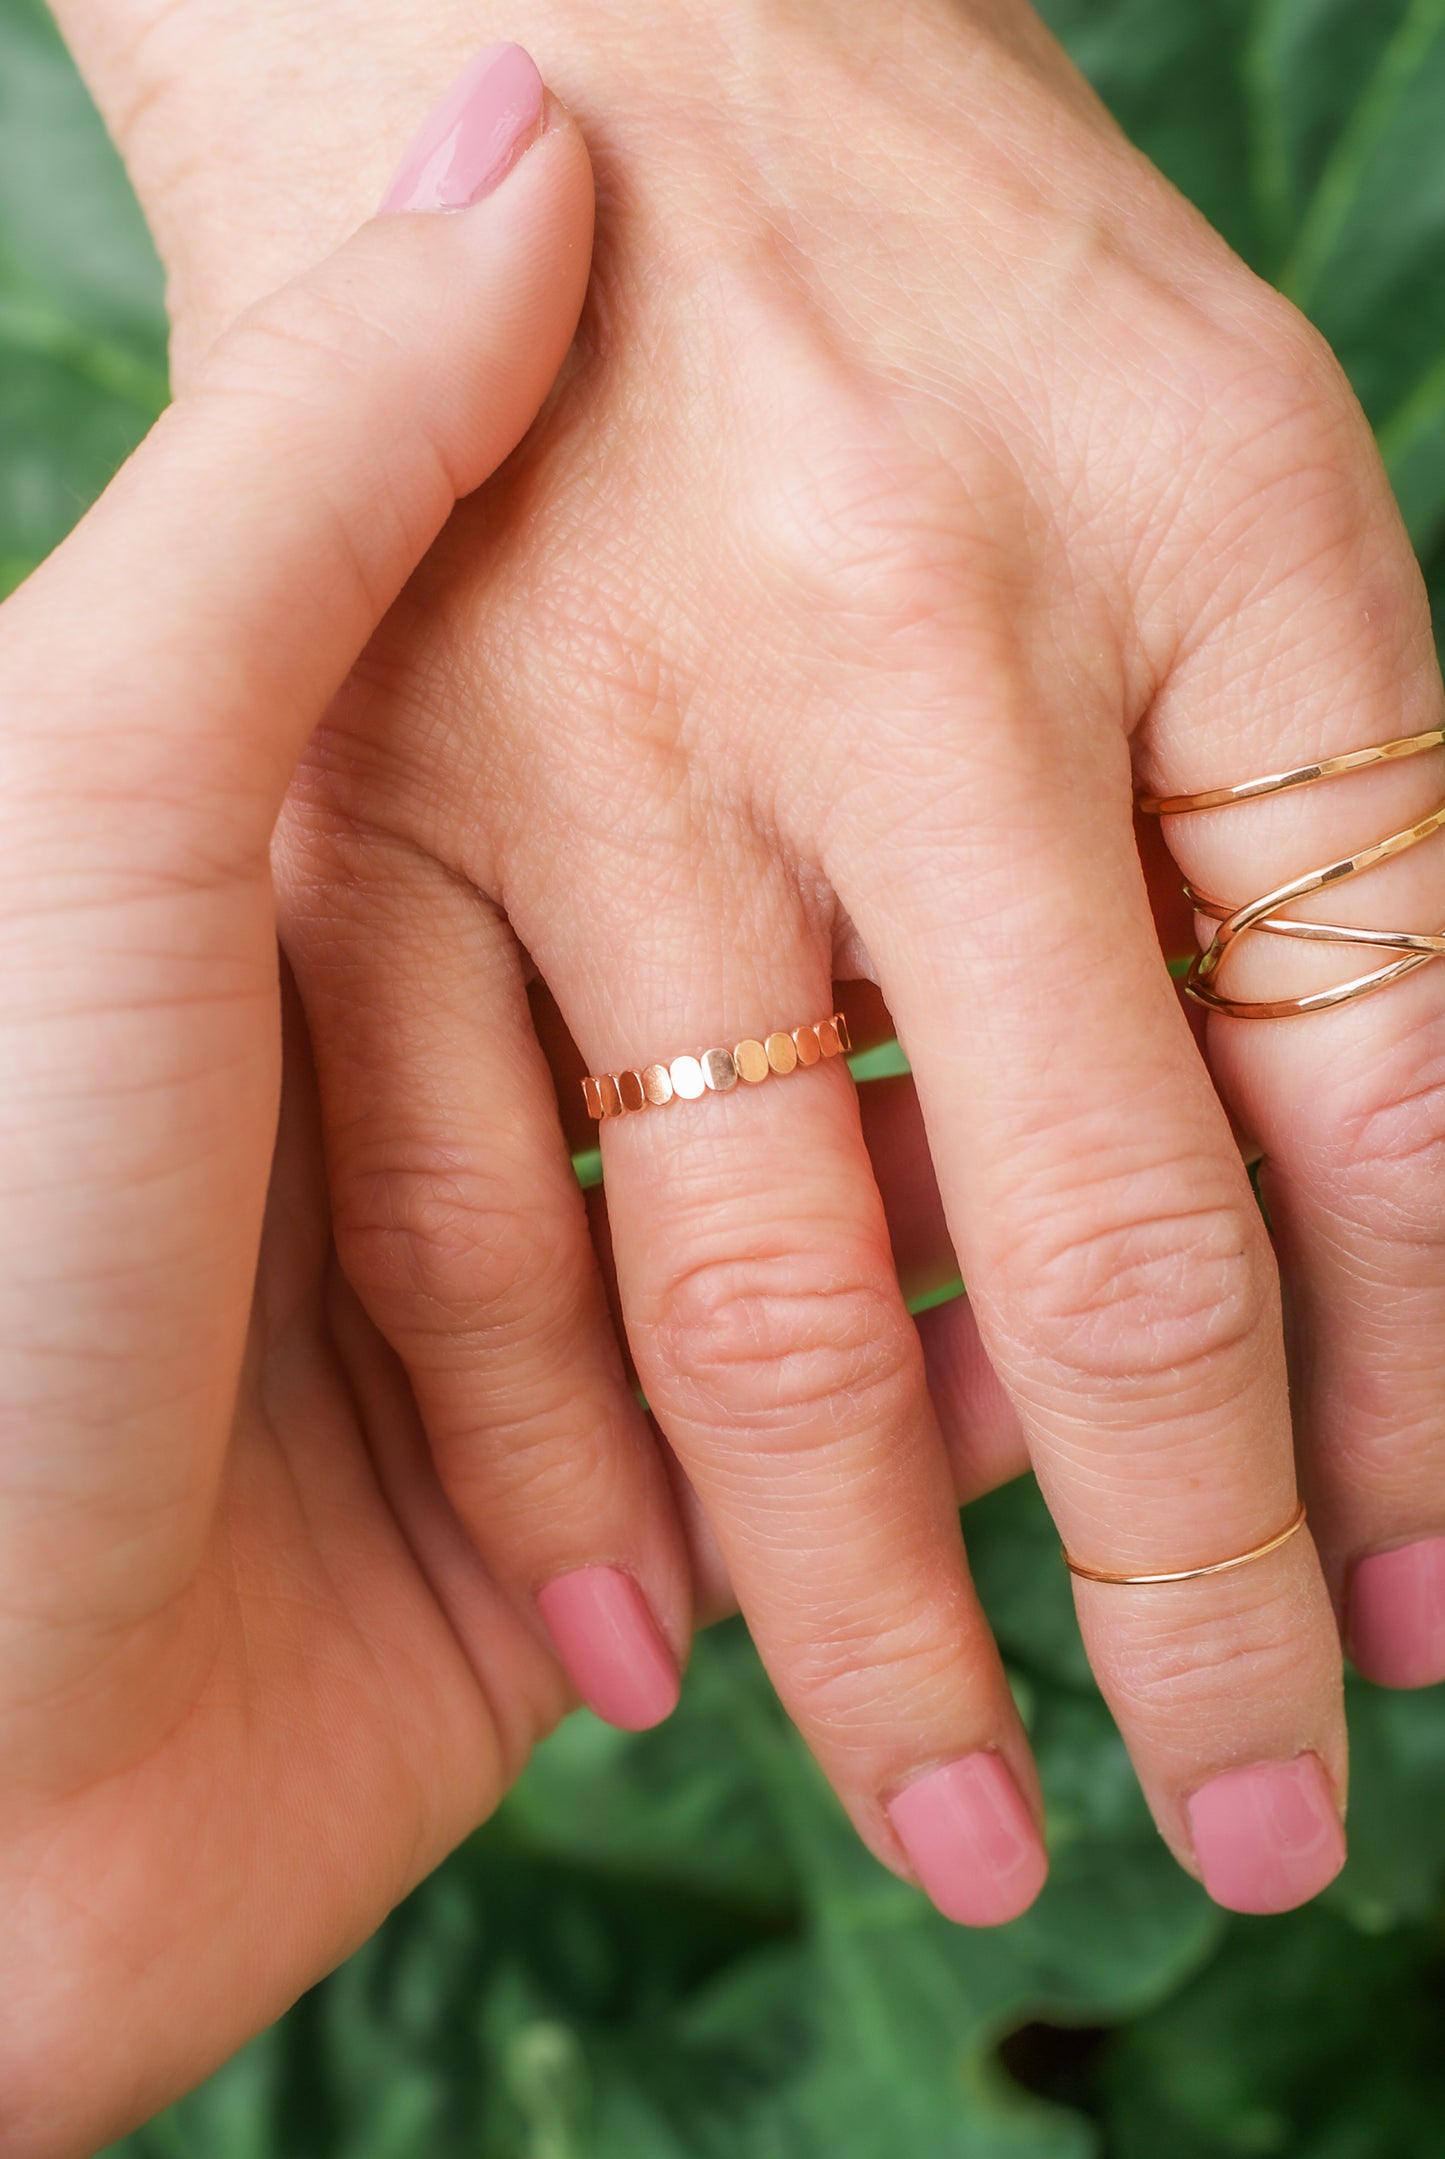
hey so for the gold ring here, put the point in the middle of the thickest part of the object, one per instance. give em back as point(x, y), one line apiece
point(716, 1071)
point(1190, 1574)
point(1417, 947)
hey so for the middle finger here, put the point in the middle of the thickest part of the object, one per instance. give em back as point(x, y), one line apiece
point(1122, 1276)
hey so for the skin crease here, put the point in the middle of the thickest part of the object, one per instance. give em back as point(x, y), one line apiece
point(923, 458)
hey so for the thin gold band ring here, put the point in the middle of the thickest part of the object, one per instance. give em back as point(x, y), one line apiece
point(1417, 948)
point(1190, 1574)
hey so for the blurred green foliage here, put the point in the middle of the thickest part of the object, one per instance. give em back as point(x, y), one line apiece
point(671, 1947)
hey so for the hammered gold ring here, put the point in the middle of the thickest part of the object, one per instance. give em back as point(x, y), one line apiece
point(1416, 947)
point(1190, 1574)
point(716, 1071)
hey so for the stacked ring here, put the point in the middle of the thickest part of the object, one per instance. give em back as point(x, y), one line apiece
point(716, 1071)
point(1417, 947)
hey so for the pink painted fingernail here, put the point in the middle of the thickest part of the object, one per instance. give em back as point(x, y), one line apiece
point(1268, 1837)
point(610, 1645)
point(1397, 1614)
point(490, 115)
point(971, 1840)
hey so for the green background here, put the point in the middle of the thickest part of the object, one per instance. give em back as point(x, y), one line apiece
point(670, 1947)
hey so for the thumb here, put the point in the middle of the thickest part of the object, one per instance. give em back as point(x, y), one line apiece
point(216, 597)
point(158, 680)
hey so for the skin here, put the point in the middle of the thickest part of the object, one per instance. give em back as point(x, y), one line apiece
point(926, 475)
point(252, 1681)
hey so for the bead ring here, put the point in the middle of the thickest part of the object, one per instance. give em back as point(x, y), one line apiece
point(716, 1071)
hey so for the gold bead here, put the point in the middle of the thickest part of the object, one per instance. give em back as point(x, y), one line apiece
point(828, 1041)
point(657, 1084)
point(611, 1098)
point(844, 1041)
point(687, 1079)
point(782, 1052)
point(806, 1039)
point(751, 1060)
point(719, 1071)
point(629, 1086)
point(592, 1096)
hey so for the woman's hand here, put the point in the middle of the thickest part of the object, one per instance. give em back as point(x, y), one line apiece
point(253, 1683)
point(928, 472)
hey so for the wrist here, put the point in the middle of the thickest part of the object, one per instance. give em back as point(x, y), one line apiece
point(249, 165)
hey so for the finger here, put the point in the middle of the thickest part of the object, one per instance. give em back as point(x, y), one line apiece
point(1119, 1270)
point(160, 676)
point(777, 1354)
point(1330, 650)
point(897, 1143)
point(980, 1427)
point(460, 1224)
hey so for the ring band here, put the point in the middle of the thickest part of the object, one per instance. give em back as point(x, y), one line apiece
point(716, 1071)
point(1417, 948)
point(1191, 1574)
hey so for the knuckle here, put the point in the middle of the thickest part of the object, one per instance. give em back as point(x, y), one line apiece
point(529, 1463)
point(1287, 450)
point(1296, 368)
point(1134, 1298)
point(297, 340)
point(1268, 366)
point(454, 1252)
point(790, 1343)
point(1203, 1664)
point(292, 359)
point(873, 1672)
point(873, 530)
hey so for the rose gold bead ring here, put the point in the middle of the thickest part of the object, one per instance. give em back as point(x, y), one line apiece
point(716, 1071)
point(1418, 947)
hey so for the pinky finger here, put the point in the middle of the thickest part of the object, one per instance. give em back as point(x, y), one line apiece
point(460, 1224)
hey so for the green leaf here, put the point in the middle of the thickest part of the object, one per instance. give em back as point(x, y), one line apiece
point(1301, 2040)
point(82, 332)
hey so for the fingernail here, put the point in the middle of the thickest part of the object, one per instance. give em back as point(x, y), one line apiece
point(610, 1645)
point(474, 137)
point(971, 1840)
point(1268, 1837)
point(1397, 1614)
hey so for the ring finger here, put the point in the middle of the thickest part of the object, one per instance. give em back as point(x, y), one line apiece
point(774, 1345)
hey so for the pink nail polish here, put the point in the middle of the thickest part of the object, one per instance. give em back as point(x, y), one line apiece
point(1397, 1614)
point(1268, 1837)
point(971, 1840)
point(611, 1648)
point(474, 137)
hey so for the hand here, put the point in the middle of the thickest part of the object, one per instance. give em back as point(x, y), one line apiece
point(253, 1684)
point(928, 466)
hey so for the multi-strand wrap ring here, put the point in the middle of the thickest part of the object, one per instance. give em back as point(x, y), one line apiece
point(716, 1071)
point(1416, 947)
